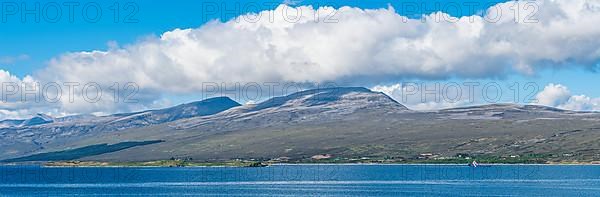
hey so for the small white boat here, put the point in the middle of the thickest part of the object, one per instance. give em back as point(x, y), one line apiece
point(473, 164)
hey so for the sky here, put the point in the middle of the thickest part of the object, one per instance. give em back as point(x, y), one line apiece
point(171, 51)
point(45, 39)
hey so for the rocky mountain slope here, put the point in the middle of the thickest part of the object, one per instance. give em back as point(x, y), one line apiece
point(19, 137)
point(342, 122)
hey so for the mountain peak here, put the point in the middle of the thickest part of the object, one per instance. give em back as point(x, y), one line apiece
point(323, 104)
point(38, 119)
point(44, 116)
point(221, 100)
point(329, 96)
point(194, 109)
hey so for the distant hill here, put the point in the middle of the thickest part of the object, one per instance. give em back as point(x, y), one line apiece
point(344, 123)
point(19, 137)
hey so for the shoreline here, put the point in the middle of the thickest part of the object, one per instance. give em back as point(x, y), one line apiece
point(156, 164)
point(442, 164)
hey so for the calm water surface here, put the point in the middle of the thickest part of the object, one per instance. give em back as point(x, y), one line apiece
point(305, 180)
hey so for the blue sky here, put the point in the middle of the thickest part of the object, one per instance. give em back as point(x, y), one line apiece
point(28, 46)
point(44, 40)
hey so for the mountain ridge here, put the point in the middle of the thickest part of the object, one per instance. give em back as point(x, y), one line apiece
point(345, 122)
point(35, 134)
point(327, 93)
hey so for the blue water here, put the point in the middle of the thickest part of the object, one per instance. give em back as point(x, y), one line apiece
point(305, 180)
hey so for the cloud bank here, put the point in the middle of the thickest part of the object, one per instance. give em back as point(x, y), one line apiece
point(558, 95)
point(355, 43)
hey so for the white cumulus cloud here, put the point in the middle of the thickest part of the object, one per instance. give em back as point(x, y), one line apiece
point(356, 43)
point(557, 95)
point(553, 95)
point(351, 44)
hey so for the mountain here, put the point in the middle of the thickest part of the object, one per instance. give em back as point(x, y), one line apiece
point(509, 111)
point(37, 120)
point(10, 123)
point(349, 97)
point(152, 117)
point(348, 122)
point(317, 105)
point(38, 133)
